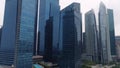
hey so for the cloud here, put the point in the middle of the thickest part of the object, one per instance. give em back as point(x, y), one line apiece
point(1, 11)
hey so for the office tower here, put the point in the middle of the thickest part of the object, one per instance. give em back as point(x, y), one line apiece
point(71, 20)
point(91, 36)
point(25, 33)
point(104, 37)
point(18, 33)
point(0, 34)
point(117, 38)
point(7, 47)
point(48, 8)
point(48, 40)
point(111, 31)
point(83, 49)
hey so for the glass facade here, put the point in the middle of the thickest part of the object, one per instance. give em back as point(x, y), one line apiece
point(104, 35)
point(83, 49)
point(91, 36)
point(8, 33)
point(25, 33)
point(18, 33)
point(71, 36)
point(0, 34)
point(48, 8)
point(48, 40)
point(111, 31)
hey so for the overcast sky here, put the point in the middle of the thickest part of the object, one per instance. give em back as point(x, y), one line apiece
point(86, 5)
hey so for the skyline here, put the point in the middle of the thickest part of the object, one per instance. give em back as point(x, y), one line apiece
point(59, 33)
point(85, 7)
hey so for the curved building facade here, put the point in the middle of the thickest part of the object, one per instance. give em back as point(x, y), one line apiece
point(91, 36)
point(104, 35)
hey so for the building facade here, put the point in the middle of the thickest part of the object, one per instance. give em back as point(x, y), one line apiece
point(104, 37)
point(18, 33)
point(48, 8)
point(0, 34)
point(83, 49)
point(7, 45)
point(91, 36)
point(48, 56)
point(71, 20)
point(117, 38)
point(111, 31)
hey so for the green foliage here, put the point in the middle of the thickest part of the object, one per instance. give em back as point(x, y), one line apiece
point(116, 66)
point(111, 63)
point(86, 62)
point(85, 66)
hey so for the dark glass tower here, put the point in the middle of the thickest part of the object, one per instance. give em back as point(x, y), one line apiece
point(91, 36)
point(71, 20)
point(48, 40)
point(83, 49)
point(48, 8)
point(111, 31)
point(18, 33)
point(0, 34)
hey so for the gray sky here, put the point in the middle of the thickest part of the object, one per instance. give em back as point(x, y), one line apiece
point(2, 3)
point(86, 5)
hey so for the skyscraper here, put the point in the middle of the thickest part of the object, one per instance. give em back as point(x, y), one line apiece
point(0, 34)
point(104, 37)
point(48, 40)
point(71, 20)
point(18, 33)
point(83, 49)
point(48, 8)
point(117, 38)
point(91, 36)
point(111, 31)
point(7, 47)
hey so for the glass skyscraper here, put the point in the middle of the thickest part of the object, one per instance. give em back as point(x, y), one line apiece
point(111, 31)
point(18, 33)
point(91, 36)
point(104, 36)
point(7, 47)
point(48, 8)
point(0, 34)
point(71, 28)
point(48, 40)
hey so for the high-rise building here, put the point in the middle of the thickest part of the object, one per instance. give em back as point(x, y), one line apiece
point(48, 40)
point(48, 8)
point(117, 38)
point(111, 31)
point(18, 33)
point(71, 20)
point(104, 37)
point(0, 34)
point(7, 47)
point(91, 36)
point(83, 48)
